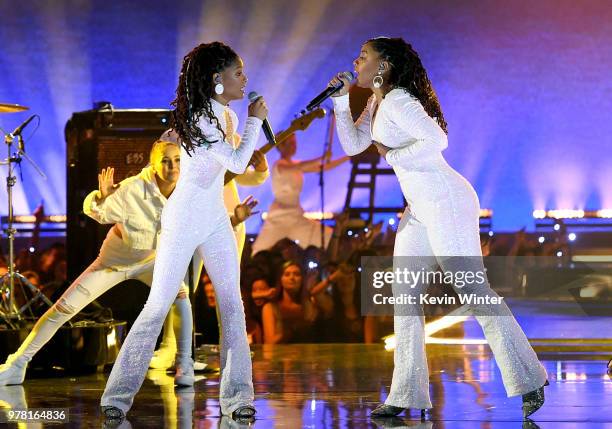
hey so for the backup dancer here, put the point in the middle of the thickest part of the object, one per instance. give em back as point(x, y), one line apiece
point(286, 215)
point(134, 207)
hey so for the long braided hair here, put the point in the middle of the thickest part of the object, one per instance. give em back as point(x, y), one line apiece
point(195, 89)
point(407, 72)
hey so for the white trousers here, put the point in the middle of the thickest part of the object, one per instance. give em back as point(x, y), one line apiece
point(92, 283)
point(215, 242)
point(444, 223)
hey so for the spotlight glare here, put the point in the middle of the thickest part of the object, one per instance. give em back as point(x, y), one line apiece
point(491, 233)
point(541, 239)
point(349, 233)
point(557, 227)
point(391, 221)
point(559, 253)
point(571, 236)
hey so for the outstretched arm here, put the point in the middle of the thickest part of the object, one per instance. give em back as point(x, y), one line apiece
point(105, 205)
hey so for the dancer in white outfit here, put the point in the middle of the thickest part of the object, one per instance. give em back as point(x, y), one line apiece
point(403, 119)
point(195, 218)
point(164, 357)
point(134, 207)
point(286, 215)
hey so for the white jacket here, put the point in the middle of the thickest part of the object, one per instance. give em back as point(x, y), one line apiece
point(135, 207)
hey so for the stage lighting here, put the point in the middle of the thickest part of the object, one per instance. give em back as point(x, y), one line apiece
point(391, 221)
point(541, 239)
point(559, 253)
point(491, 233)
point(571, 236)
point(557, 227)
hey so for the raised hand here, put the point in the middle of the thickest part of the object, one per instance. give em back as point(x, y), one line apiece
point(336, 81)
point(106, 183)
point(258, 109)
point(245, 209)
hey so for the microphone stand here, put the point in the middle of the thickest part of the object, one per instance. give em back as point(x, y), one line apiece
point(8, 310)
point(326, 147)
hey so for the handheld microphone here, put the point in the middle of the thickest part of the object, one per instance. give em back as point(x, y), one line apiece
point(20, 128)
point(328, 92)
point(267, 129)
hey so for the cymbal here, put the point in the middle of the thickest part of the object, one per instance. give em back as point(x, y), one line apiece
point(12, 108)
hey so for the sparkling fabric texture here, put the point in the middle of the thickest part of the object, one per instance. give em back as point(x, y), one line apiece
point(441, 221)
point(195, 219)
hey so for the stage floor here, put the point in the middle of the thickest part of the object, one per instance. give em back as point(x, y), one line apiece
point(336, 386)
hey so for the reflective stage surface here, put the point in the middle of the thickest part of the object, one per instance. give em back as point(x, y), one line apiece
point(336, 386)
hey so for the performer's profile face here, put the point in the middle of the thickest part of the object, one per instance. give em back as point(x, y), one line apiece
point(167, 163)
point(366, 65)
point(234, 80)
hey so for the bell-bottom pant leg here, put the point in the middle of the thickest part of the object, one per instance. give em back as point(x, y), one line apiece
point(220, 255)
point(174, 252)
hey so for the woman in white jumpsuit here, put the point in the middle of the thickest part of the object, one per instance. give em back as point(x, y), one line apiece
point(195, 218)
point(164, 357)
point(403, 119)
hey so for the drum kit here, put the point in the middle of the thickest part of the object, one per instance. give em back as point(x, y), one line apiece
point(9, 312)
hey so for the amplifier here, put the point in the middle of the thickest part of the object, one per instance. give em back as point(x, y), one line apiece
point(98, 139)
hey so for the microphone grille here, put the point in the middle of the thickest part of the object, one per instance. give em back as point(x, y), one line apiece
point(253, 95)
point(349, 75)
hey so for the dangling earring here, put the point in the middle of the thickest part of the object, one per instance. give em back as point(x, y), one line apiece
point(378, 79)
point(219, 88)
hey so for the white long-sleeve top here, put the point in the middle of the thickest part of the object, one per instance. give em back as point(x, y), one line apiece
point(202, 171)
point(222, 154)
point(250, 177)
point(135, 210)
point(401, 123)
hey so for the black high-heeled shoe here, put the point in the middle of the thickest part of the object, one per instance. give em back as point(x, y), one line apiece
point(246, 412)
point(384, 410)
point(533, 401)
point(111, 412)
point(114, 417)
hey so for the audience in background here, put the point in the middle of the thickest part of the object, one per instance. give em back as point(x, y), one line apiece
point(293, 294)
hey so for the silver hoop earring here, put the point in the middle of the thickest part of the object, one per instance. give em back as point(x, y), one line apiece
point(378, 80)
point(219, 89)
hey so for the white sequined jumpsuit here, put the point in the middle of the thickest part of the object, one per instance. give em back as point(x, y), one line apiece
point(441, 221)
point(195, 219)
